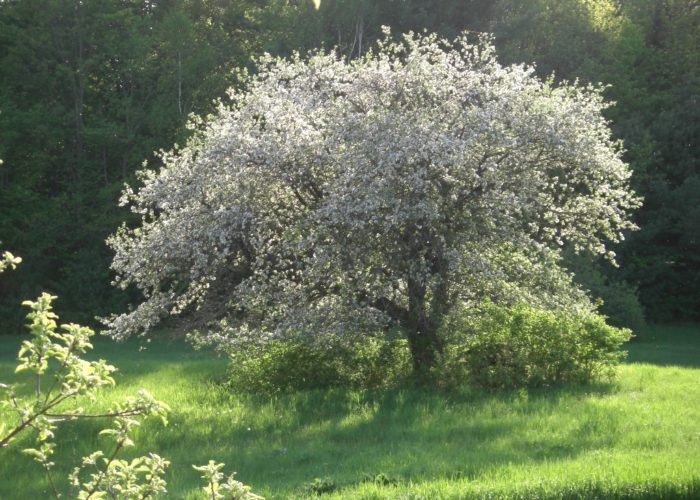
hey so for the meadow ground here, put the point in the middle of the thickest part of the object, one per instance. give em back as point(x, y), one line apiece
point(638, 437)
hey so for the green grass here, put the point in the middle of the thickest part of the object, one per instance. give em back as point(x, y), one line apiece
point(638, 437)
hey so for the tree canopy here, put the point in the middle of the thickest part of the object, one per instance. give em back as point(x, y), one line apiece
point(89, 90)
point(333, 196)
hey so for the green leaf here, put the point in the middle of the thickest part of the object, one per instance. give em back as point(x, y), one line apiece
point(33, 453)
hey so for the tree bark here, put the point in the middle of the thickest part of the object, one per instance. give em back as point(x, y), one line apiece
point(421, 331)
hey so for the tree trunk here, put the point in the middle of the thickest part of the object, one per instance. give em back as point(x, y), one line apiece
point(421, 330)
point(179, 83)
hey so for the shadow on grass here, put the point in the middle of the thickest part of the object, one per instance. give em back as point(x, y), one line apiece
point(664, 345)
point(411, 434)
point(280, 443)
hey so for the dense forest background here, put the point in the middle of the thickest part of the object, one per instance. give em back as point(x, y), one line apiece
point(90, 89)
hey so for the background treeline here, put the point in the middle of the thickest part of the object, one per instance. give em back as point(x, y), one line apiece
point(88, 90)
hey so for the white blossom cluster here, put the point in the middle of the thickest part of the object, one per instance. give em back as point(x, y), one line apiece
point(332, 196)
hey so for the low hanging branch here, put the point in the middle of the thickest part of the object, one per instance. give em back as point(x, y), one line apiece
point(73, 378)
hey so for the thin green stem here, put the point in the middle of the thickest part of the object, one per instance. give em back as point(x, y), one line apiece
point(28, 422)
point(51, 482)
point(103, 472)
point(60, 368)
point(129, 413)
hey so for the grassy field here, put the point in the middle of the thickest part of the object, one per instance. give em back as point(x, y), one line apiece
point(638, 437)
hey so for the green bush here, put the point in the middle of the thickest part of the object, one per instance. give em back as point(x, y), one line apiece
point(619, 301)
point(288, 365)
point(522, 346)
point(621, 305)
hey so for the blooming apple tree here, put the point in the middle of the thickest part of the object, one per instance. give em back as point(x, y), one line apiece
point(330, 197)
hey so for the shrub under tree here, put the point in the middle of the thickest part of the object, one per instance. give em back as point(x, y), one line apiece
point(521, 346)
point(332, 197)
